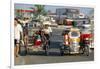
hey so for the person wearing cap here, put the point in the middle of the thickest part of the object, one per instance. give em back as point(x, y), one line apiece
point(47, 32)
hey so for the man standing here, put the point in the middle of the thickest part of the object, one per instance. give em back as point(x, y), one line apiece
point(25, 23)
point(47, 32)
point(17, 34)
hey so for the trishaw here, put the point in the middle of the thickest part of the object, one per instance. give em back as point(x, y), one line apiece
point(71, 42)
point(37, 42)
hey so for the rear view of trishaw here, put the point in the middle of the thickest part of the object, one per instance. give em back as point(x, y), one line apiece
point(71, 43)
point(37, 42)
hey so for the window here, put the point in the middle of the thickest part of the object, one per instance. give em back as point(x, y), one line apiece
point(74, 34)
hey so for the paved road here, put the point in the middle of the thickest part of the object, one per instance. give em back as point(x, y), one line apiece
point(54, 57)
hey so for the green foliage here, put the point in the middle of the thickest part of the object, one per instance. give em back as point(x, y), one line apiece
point(40, 10)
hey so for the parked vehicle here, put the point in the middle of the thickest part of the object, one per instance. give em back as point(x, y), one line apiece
point(68, 22)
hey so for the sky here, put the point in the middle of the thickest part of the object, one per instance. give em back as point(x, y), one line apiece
point(52, 8)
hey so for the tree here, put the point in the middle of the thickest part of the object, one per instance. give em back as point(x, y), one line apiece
point(40, 9)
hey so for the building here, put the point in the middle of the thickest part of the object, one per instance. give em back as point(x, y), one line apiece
point(23, 13)
point(63, 13)
point(69, 13)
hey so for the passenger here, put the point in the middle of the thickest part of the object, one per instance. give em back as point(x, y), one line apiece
point(37, 41)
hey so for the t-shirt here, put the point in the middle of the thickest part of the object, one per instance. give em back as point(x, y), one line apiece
point(50, 29)
point(38, 38)
point(17, 31)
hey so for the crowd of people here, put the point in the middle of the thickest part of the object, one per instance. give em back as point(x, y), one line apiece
point(21, 34)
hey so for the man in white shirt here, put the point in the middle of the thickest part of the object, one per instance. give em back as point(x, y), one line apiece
point(47, 29)
point(47, 32)
point(18, 32)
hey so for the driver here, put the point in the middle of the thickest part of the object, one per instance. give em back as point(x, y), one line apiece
point(47, 32)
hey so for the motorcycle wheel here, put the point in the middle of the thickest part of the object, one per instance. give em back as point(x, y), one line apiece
point(86, 50)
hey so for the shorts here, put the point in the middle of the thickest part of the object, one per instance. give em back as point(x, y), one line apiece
point(16, 42)
point(47, 36)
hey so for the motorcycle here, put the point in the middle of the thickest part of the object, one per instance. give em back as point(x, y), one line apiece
point(85, 43)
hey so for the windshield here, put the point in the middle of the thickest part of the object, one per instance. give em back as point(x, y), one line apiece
point(74, 34)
